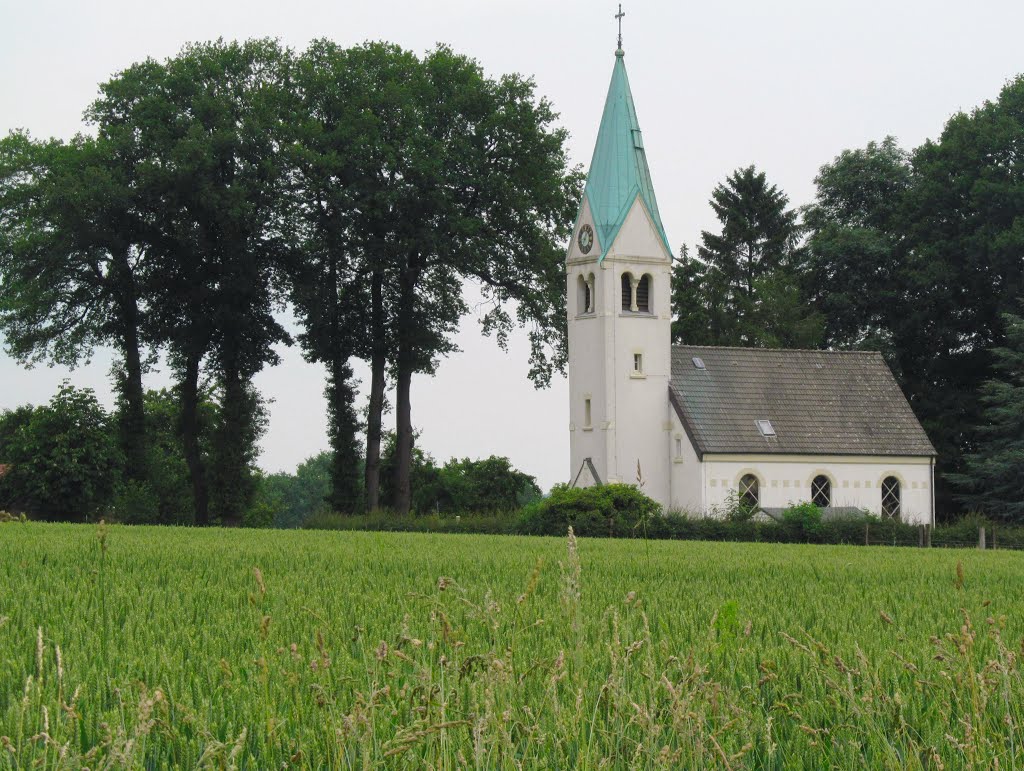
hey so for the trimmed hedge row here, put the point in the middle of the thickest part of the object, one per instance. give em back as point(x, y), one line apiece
point(622, 511)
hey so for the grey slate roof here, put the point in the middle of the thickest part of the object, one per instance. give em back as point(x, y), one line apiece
point(819, 402)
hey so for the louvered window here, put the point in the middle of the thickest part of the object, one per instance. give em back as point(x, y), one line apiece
point(643, 295)
point(627, 292)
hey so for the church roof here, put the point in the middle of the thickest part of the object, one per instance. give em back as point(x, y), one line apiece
point(817, 402)
point(618, 170)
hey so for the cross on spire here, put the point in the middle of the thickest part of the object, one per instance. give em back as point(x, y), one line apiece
point(619, 16)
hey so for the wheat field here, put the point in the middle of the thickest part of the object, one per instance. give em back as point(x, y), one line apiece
point(157, 647)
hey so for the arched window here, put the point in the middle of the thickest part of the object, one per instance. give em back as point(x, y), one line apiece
point(821, 491)
point(627, 291)
point(586, 294)
point(643, 295)
point(749, 492)
point(891, 498)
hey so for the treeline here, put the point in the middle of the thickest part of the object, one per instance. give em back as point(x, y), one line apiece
point(360, 186)
point(918, 254)
point(66, 463)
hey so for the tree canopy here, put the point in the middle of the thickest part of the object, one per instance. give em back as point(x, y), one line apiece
point(744, 287)
point(362, 186)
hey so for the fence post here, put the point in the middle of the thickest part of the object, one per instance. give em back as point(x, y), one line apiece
point(866, 542)
point(928, 536)
point(981, 537)
point(920, 536)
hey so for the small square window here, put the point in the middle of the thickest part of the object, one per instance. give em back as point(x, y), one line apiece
point(679, 447)
point(638, 362)
point(586, 413)
point(766, 428)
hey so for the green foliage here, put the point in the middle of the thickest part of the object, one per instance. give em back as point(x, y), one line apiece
point(742, 642)
point(489, 485)
point(135, 503)
point(993, 473)
point(459, 486)
point(918, 255)
point(72, 266)
point(504, 523)
point(603, 510)
point(805, 519)
point(234, 450)
point(294, 499)
point(64, 459)
point(744, 288)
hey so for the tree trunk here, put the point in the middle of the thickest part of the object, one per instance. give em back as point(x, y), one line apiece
point(235, 435)
point(133, 414)
point(378, 361)
point(403, 432)
point(404, 365)
point(190, 437)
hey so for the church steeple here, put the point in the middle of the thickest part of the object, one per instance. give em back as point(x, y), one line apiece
point(618, 170)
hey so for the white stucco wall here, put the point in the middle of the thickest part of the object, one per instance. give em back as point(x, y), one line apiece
point(629, 414)
point(856, 480)
point(687, 493)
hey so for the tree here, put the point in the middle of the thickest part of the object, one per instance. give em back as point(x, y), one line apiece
point(919, 256)
point(291, 499)
point(168, 470)
point(965, 269)
point(420, 174)
point(489, 485)
point(350, 100)
point(490, 199)
point(64, 458)
point(206, 129)
point(858, 245)
point(992, 474)
point(745, 288)
point(425, 478)
point(72, 264)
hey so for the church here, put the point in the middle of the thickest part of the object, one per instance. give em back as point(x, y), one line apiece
point(703, 427)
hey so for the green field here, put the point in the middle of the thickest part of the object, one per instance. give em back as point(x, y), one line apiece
point(264, 649)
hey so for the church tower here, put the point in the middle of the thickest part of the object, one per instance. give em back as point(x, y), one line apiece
point(618, 269)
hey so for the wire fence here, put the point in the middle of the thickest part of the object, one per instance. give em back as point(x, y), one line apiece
point(987, 539)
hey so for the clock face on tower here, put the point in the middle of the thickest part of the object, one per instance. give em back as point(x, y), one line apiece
point(585, 239)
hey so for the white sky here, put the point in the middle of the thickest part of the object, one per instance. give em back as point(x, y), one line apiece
point(785, 84)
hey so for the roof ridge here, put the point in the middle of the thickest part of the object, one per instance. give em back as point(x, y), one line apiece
point(770, 350)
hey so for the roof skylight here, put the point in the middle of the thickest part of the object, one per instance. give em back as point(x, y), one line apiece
point(766, 428)
point(698, 362)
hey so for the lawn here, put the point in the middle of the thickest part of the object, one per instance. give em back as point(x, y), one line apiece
point(155, 647)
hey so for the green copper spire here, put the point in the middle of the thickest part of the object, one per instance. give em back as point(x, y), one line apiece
point(618, 170)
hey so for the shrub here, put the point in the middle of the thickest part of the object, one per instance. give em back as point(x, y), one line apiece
point(615, 510)
point(805, 519)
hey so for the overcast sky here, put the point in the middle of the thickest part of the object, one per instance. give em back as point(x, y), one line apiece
point(782, 84)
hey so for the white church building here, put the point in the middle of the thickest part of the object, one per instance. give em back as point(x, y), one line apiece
point(706, 425)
